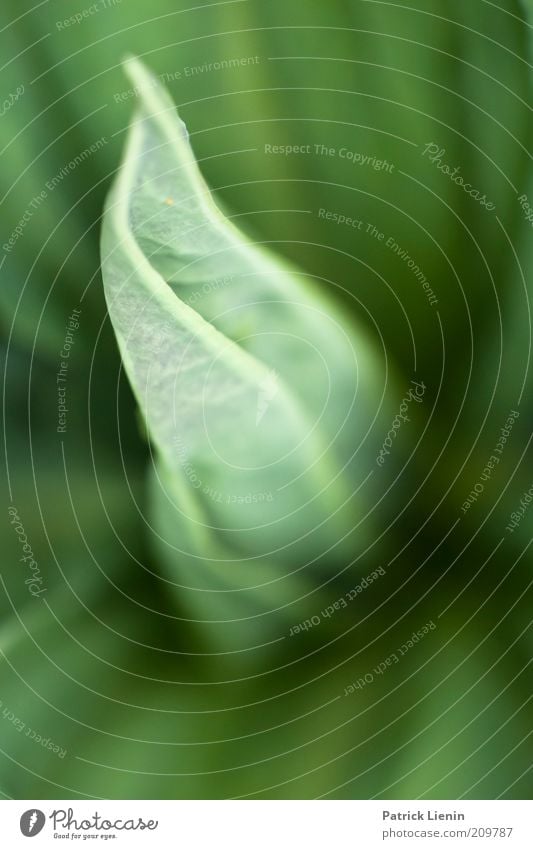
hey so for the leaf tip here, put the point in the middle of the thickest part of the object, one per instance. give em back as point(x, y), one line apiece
point(143, 80)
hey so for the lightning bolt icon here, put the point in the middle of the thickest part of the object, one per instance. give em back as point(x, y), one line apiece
point(33, 820)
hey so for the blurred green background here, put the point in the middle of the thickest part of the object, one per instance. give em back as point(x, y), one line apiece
point(107, 664)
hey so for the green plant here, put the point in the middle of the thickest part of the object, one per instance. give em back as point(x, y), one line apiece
point(260, 398)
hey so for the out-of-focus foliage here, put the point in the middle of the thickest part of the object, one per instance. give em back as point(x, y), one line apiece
point(110, 663)
point(259, 398)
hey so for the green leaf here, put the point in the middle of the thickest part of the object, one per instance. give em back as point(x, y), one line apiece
point(259, 398)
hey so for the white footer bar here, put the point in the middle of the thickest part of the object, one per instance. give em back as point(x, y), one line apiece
point(267, 824)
